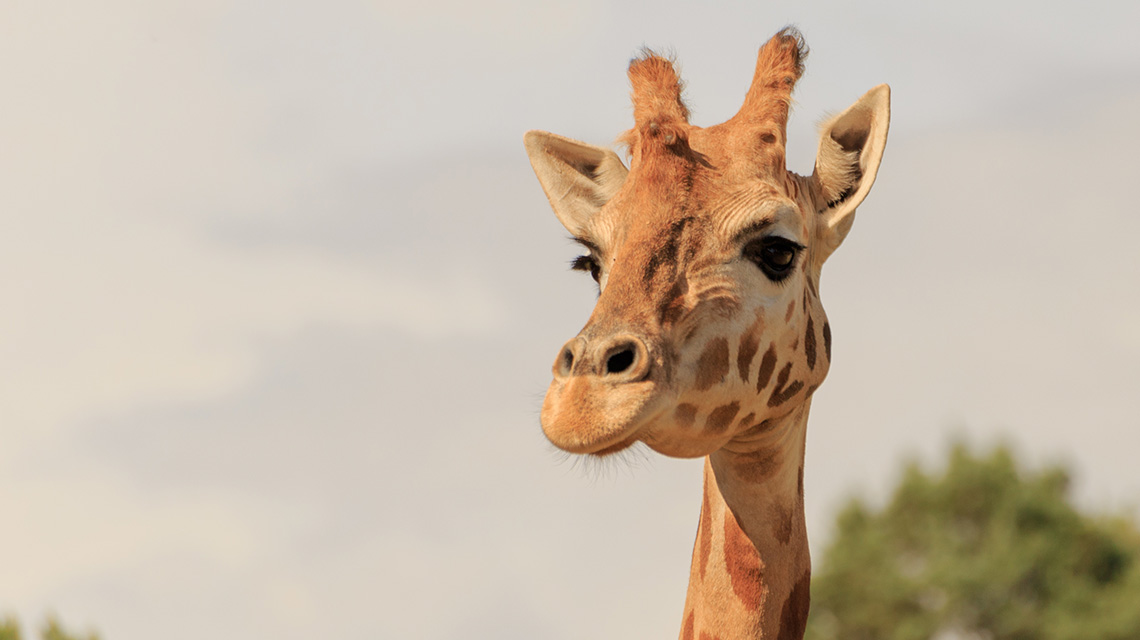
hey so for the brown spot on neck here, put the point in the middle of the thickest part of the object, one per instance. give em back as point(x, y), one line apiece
point(782, 521)
point(794, 614)
point(743, 563)
point(756, 466)
point(790, 311)
point(687, 630)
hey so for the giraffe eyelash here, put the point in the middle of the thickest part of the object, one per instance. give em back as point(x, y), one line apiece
point(582, 263)
point(589, 265)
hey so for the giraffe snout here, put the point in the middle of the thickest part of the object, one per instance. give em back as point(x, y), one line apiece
point(615, 359)
point(602, 394)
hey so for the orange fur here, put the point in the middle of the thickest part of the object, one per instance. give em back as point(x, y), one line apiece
point(690, 330)
point(779, 65)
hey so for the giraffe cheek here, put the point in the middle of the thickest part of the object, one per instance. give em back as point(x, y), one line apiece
point(712, 366)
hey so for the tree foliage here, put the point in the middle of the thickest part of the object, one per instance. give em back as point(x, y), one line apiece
point(51, 629)
point(982, 550)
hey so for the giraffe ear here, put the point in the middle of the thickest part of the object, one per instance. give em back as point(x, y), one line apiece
point(578, 178)
point(850, 148)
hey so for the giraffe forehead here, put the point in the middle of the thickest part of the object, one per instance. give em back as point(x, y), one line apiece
point(719, 211)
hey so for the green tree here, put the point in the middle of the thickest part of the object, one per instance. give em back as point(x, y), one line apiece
point(51, 629)
point(10, 629)
point(983, 550)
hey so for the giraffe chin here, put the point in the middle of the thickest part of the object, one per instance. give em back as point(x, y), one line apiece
point(584, 415)
point(691, 446)
point(615, 448)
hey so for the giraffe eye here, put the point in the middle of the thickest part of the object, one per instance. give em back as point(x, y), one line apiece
point(587, 263)
point(775, 256)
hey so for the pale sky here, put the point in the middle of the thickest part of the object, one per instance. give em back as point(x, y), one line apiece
point(282, 295)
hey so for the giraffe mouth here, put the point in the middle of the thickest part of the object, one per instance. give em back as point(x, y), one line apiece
point(585, 415)
point(615, 448)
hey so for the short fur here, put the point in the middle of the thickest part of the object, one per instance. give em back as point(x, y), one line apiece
point(696, 346)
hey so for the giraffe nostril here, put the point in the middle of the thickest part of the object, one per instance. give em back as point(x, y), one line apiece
point(566, 362)
point(621, 361)
point(571, 353)
point(624, 358)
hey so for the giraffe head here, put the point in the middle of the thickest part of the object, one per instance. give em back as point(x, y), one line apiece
point(707, 253)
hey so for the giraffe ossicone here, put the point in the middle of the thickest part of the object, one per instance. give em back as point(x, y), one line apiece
point(708, 337)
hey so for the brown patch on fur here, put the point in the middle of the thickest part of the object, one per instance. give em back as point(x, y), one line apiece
point(746, 420)
point(795, 344)
point(721, 417)
point(749, 342)
point(672, 304)
point(687, 630)
point(767, 366)
point(712, 366)
point(781, 518)
point(809, 344)
point(800, 482)
point(743, 564)
point(685, 414)
point(805, 301)
point(704, 531)
point(794, 614)
point(782, 394)
point(790, 311)
point(827, 340)
point(757, 465)
point(666, 254)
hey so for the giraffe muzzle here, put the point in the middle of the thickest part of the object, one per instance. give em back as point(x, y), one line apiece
point(603, 391)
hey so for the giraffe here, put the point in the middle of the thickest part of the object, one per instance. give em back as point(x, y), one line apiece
point(708, 338)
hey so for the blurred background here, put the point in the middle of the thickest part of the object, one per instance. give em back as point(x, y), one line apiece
point(281, 294)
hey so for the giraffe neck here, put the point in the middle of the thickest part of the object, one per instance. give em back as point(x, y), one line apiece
point(751, 568)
